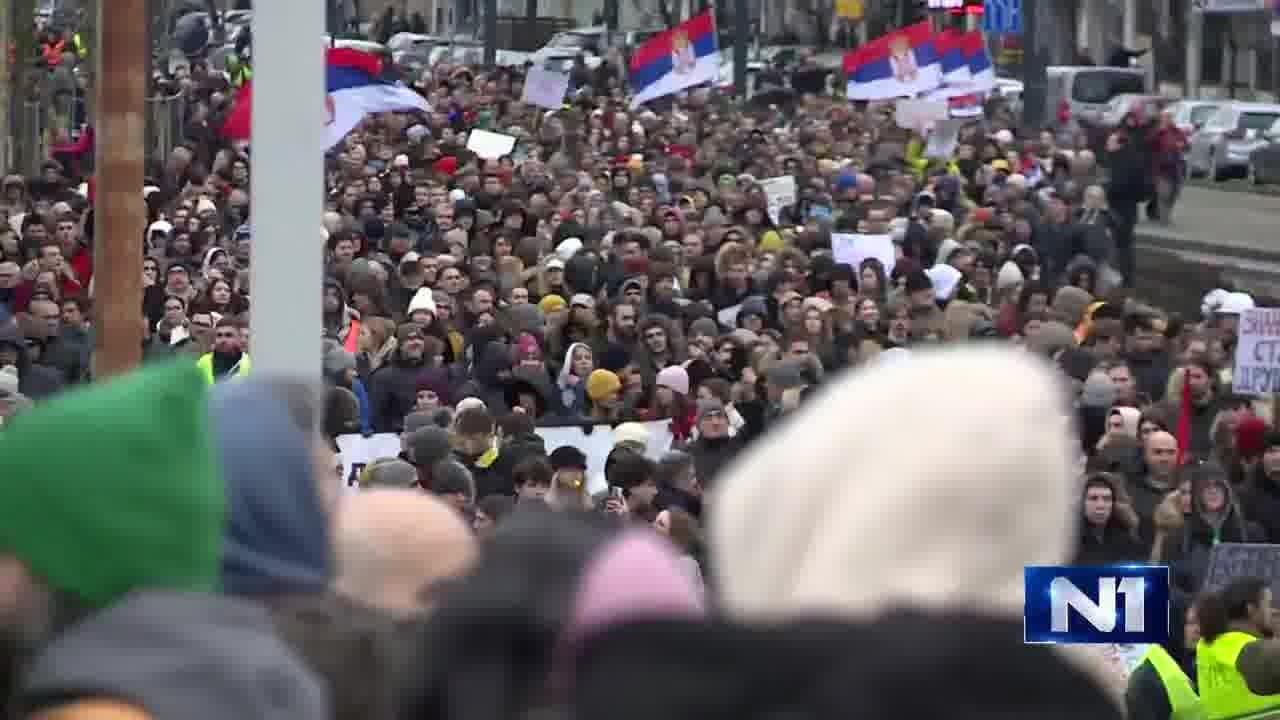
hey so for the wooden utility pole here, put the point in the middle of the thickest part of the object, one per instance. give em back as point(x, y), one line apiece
point(6, 85)
point(119, 210)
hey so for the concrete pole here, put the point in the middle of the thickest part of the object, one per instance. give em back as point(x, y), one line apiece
point(1195, 51)
point(288, 171)
point(1129, 28)
point(119, 213)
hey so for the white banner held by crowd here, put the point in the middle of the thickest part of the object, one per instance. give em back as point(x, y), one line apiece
point(1257, 368)
point(779, 192)
point(545, 88)
point(595, 441)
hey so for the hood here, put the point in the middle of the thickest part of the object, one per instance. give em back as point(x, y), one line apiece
point(925, 666)
point(1002, 459)
point(495, 359)
point(208, 657)
point(529, 381)
point(206, 261)
point(277, 528)
point(562, 379)
point(1010, 416)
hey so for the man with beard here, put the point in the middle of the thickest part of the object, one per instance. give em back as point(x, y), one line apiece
point(129, 567)
point(228, 360)
point(393, 388)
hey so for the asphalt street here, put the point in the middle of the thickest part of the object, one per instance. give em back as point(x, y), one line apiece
point(1217, 238)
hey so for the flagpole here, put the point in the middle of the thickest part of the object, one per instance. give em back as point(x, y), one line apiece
point(288, 169)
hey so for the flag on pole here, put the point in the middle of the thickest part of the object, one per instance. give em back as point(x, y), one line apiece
point(354, 89)
point(902, 63)
point(677, 59)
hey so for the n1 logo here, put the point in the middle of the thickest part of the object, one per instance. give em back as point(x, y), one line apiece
point(1110, 604)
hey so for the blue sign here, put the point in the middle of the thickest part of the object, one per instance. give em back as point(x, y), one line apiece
point(1002, 16)
point(1108, 604)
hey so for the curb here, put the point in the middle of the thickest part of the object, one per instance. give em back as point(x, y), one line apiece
point(1154, 239)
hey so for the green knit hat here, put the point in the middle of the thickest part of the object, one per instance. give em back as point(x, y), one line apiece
point(112, 488)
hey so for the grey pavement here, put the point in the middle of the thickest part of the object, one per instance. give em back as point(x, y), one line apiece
point(1241, 225)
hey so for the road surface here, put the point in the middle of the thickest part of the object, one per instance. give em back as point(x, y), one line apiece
point(1217, 237)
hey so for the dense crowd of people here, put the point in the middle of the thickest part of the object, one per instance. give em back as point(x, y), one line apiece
point(875, 448)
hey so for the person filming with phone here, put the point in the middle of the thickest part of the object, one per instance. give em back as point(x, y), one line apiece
point(633, 483)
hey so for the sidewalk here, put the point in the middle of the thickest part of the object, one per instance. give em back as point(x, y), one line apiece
point(1230, 227)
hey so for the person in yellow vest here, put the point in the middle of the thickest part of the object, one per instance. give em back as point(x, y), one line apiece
point(1159, 687)
point(228, 359)
point(1237, 665)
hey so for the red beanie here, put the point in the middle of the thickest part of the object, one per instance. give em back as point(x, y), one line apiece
point(1250, 434)
point(447, 165)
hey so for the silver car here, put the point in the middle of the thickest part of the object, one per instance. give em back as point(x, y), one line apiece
point(1222, 147)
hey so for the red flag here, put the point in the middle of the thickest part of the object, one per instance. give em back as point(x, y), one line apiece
point(238, 124)
point(1184, 419)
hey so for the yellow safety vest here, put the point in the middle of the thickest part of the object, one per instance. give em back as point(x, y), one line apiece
point(1222, 688)
point(205, 363)
point(1183, 700)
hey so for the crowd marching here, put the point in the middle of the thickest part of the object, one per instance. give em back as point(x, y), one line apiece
point(885, 362)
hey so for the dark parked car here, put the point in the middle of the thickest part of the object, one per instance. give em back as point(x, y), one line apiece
point(1264, 163)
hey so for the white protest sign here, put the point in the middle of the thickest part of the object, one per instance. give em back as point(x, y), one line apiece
point(728, 317)
point(490, 145)
point(545, 88)
point(595, 441)
point(919, 115)
point(357, 451)
point(779, 192)
point(853, 248)
point(944, 138)
point(1257, 368)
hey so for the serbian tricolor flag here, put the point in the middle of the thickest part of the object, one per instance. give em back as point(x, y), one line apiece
point(971, 72)
point(676, 59)
point(903, 63)
point(354, 89)
point(954, 62)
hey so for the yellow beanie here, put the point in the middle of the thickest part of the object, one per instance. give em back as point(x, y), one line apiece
point(551, 303)
point(771, 241)
point(602, 383)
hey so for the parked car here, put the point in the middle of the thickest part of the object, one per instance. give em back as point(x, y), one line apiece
point(1082, 92)
point(1264, 163)
point(1191, 115)
point(1222, 147)
point(1122, 105)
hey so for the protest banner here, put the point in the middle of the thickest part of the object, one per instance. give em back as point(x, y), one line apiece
point(779, 192)
point(853, 248)
point(594, 440)
point(490, 145)
point(545, 88)
point(1228, 561)
point(1257, 368)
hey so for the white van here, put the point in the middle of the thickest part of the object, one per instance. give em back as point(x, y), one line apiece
point(1082, 92)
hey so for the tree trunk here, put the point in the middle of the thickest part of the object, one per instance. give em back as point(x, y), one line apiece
point(24, 76)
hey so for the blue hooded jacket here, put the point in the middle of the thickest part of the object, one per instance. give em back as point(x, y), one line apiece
point(277, 528)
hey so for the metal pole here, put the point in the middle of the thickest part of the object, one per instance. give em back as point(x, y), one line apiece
point(119, 213)
point(491, 32)
point(288, 170)
point(1035, 77)
point(1195, 50)
point(741, 39)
